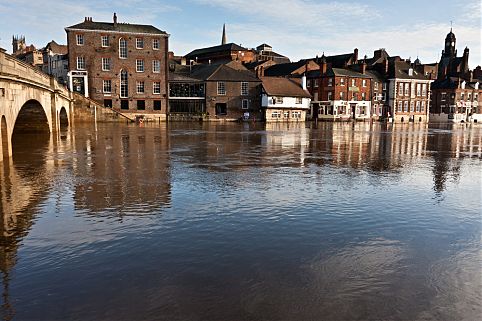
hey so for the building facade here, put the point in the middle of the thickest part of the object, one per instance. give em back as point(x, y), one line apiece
point(122, 66)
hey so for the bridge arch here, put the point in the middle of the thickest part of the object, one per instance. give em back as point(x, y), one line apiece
point(63, 118)
point(31, 119)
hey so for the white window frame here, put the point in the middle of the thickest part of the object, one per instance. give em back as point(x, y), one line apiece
point(400, 89)
point(405, 106)
point(342, 81)
point(79, 39)
point(156, 66)
point(299, 100)
point(156, 88)
point(400, 106)
point(417, 106)
point(106, 64)
point(104, 41)
point(364, 83)
point(244, 88)
point(104, 86)
point(139, 43)
point(140, 87)
point(156, 44)
point(221, 88)
point(330, 82)
point(123, 51)
point(422, 107)
point(278, 100)
point(139, 65)
point(80, 63)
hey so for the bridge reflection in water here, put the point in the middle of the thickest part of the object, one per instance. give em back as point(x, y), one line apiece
point(122, 171)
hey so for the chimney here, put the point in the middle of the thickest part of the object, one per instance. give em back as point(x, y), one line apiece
point(363, 67)
point(355, 55)
point(115, 19)
point(303, 82)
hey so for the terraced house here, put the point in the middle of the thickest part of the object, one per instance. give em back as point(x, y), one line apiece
point(120, 65)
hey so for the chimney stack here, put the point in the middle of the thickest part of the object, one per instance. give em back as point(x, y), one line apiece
point(363, 67)
point(115, 19)
point(355, 55)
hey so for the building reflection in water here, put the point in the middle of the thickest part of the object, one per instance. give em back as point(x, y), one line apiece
point(122, 170)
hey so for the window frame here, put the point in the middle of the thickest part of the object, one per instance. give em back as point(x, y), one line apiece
point(79, 39)
point(154, 41)
point(156, 85)
point(243, 102)
point(244, 88)
point(123, 49)
point(139, 43)
point(140, 84)
point(106, 43)
point(156, 63)
point(140, 65)
point(221, 88)
point(80, 62)
point(104, 83)
point(106, 62)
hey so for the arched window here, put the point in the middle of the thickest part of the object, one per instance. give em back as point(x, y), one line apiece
point(124, 89)
point(122, 48)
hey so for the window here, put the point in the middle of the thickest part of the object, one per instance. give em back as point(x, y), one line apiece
point(105, 41)
point(407, 89)
point(462, 96)
point(375, 84)
point(139, 43)
point(80, 40)
point(296, 114)
point(276, 114)
point(424, 89)
point(156, 66)
point(286, 114)
point(141, 105)
point(244, 88)
point(469, 96)
point(400, 106)
point(221, 109)
point(155, 44)
point(384, 96)
point(156, 88)
point(221, 88)
point(330, 82)
point(278, 100)
point(355, 96)
point(139, 65)
point(122, 48)
point(342, 81)
point(330, 95)
point(245, 104)
point(405, 106)
point(299, 100)
point(400, 89)
point(384, 86)
point(124, 90)
point(342, 96)
point(106, 64)
point(444, 96)
point(353, 82)
point(140, 87)
point(157, 105)
point(423, 107)
point(316, 83)
point(108, 103)
point(417, 106)
point(418, 89)
point(363, 96)
point(80, 63)
point(476, 96)
point(364, 82)
point(107, 86)
point(124, 104)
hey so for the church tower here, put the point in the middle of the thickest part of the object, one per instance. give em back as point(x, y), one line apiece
point(223, 40)
point(450, 41)
point(18, 44)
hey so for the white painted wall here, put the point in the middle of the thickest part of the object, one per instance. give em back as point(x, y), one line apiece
point(288, 102)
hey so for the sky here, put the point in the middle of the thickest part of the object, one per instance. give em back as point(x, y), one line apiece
point(295, 28)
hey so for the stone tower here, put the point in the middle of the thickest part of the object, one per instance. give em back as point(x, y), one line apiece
point(18, 44)
point(450, 41)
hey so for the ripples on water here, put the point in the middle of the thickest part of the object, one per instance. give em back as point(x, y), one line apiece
point(244, 222)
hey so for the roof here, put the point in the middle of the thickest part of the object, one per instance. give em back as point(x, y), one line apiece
point(375, 75)
point(284, 69)
point(400, 69)
point(213, 72)
point(285, 87)
point(346, 72)
point(220, 48)
point(118, 27)
point(56, 48)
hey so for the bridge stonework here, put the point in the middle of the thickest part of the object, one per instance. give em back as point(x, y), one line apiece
point(20, 85)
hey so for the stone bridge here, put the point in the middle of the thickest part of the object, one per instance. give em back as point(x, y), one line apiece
point(30, 102)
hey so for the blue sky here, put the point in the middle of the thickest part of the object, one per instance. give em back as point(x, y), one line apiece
point(296, 28)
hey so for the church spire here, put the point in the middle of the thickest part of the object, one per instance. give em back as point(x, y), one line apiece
point(223, 40)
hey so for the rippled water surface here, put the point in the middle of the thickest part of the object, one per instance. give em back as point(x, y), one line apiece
point(243, 222)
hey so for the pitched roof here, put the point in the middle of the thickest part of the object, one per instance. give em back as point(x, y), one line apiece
point(56, 48)
point(375, 75)
point(213, 72)
point(119, 27)
point(400, 69)
point(286, 69)
point(285, 87)
point(220, 48)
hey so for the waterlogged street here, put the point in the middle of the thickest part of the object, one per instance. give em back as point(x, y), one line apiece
point(193, 221)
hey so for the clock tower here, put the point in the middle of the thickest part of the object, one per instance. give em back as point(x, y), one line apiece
point(450, 45)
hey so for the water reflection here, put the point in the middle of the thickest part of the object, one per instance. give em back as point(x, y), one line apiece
point(243, 221)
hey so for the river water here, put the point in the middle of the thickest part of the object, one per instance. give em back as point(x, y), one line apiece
point(188, 221)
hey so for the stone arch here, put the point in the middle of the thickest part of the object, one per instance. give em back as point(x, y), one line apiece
point(31, 119)
point(63, 118)
point(4, 143)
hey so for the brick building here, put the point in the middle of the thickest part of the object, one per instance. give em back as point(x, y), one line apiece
point(120, 65)
point(340, 94)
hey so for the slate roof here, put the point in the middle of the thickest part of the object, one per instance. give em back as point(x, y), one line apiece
point(119, 27)
point(399, 69)
point(286, 69)
point(346, 72)
point(213, 72)
point(284, 87)
point(375, 75)
point(220, 48)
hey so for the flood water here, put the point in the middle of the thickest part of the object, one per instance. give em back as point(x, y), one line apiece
point(188, 221)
